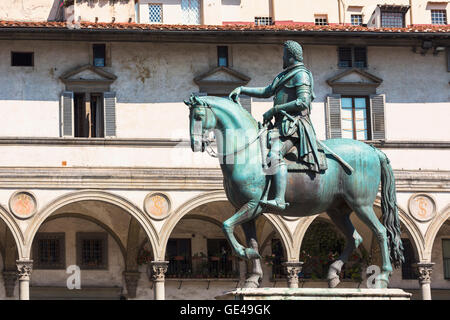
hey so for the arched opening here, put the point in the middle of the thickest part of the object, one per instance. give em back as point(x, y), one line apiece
point(8, 257)
point(92, 244)
point(201, 261)
point(440, 255)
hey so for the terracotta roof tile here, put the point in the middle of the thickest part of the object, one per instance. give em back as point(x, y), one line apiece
point(229, 27)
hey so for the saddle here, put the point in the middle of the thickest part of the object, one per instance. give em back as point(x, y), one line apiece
point(295, 164)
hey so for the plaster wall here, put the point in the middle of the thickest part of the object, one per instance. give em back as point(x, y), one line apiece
point(28, 10)
point(111, 277)
point(105, 11)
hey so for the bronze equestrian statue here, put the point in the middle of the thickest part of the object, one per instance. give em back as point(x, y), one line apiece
point(336, 176)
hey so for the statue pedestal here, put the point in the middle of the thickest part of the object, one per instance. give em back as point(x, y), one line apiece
point(314, 294)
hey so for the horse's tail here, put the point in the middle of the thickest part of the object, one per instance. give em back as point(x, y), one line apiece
point(389, 209)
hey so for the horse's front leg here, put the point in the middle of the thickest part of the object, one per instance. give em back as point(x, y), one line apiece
point(256, 276)
point(248, 212)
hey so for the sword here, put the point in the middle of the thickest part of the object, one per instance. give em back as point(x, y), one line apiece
point(342, 161)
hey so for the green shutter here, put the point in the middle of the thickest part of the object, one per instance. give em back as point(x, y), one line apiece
point(377, 103)
point(110, 113)
point(67, 114)
point(333, 116)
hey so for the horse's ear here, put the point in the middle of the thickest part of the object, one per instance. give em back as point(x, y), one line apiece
point(187, 103)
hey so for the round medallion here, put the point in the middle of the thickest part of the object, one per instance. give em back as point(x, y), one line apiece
point(422, 207)
point(157, 205)
point(23, 204)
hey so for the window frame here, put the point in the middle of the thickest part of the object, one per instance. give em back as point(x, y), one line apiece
point(179, 267)
point(385, 11)
point(80, 236)
point(105, 54)
point(22, 52)
point(263, 21)
point(162, 12)
point(60, 236)
point(357, 15)
point(227, 56)
point(368, 118)
point(353, 61)
point(445, 17)
point(321, 17)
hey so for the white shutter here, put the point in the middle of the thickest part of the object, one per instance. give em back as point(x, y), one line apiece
point(378, 126)
point(333, 116)
point(110, 113)
point(246, 103)
point(67, 105)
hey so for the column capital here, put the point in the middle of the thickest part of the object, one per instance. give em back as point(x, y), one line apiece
point(293, 268)
point(159, 269)
point(425, 269)
point(24, 269)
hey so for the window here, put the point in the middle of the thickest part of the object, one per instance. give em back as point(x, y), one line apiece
point(321, 20)
point(263, 21)
point(356, 19)
point(392, 19)
point(92, 250)
point(155, 13)
point(89, 115)
point(222, 56)
point(191, 11)
point(438, 17)
point(48, 251)
point(352, 57)
point(99, 55)
point(446, 257)
point(22, 59)
point(277, 259)
point(178, 254)
point(220, 258)
point(408, 270)
point(355, 118)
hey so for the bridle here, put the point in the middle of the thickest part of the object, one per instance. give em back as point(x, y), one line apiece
point(207, 142)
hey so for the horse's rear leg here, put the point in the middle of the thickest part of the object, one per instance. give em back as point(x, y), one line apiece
point(341, 219)
point(368, 216)
point(256, 275)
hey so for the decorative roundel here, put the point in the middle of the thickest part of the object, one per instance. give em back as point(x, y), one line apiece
point(422, 207)
point(157, 205)
point(23, 204)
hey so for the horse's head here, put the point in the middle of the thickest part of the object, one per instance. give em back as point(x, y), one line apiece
point(201, 121)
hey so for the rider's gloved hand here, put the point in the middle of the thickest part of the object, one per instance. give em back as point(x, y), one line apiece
point(234, 95)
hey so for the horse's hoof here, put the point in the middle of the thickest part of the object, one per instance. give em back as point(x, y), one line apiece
point(252, 254)
point(252, 281)
point(382, 281)
point(332, 283)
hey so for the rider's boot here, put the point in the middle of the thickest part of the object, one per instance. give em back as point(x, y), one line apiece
point(279, 182)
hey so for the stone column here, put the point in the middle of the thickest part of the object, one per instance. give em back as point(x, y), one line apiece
point(131, 281)
point(24, 268)
point(425, 269)
point(293, 268)
point(159, 270)
point(9, 279)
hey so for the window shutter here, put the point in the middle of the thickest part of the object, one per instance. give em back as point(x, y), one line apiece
point(333, 116)
point(246, 103)
point(377, 103)
point(110, 113)
point(67, 114)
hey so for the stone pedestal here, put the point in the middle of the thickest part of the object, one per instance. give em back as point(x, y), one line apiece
point(425, 269)
point(159, 269)
point(314, 294)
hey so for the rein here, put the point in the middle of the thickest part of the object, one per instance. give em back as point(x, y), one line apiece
point(215, 154)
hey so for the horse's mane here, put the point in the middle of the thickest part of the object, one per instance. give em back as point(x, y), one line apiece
point(221, 102)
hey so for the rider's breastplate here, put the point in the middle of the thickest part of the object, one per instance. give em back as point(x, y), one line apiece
point(282, 96)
